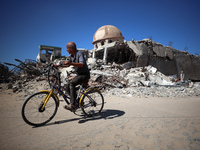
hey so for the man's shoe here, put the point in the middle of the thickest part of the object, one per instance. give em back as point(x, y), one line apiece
point(70, 107)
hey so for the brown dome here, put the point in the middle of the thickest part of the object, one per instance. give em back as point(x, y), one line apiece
point(107, 32)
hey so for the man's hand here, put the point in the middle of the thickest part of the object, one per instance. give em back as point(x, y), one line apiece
point(67, 63)
point(55, 65)
point(71, 77)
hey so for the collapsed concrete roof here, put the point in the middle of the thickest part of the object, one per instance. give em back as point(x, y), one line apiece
point(110, 47)
point(142, 53)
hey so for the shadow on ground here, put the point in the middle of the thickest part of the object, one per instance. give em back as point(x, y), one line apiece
point(105, 114)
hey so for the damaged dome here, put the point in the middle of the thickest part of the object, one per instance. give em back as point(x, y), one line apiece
point(107, 32)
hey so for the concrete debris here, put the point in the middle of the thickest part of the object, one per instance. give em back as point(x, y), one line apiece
point(113, 79)
point(3, 72)
point(156, 91)
point(146, 76)
point(137, 87)
point(26, 69)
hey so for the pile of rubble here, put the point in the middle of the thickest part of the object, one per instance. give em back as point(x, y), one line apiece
point(143, 81)
point(24, 71)
point(3, 72)
point(122, 81)
point(21, 75)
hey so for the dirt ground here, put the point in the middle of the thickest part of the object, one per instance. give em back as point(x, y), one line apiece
point(124, 124)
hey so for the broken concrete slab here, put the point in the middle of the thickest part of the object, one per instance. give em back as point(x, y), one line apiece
point(162, 51)
point(151, 69)
point(144, 48)
point(142, 61)
point(160, 80)
point(100, 73)
point(132, 46)
point(128, 65)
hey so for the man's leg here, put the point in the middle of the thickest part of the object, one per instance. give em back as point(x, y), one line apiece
point(73, 83)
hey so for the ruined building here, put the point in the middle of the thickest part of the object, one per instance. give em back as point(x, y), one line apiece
point(48, 53)
point(109, 46)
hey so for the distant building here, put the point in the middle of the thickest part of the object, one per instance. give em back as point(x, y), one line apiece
point(48, 53)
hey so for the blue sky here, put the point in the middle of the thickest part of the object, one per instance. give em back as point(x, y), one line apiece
point(26, 24)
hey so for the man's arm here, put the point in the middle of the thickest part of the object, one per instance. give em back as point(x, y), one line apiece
point(67, 63)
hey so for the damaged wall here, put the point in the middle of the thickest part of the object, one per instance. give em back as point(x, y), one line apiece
point(189, 64)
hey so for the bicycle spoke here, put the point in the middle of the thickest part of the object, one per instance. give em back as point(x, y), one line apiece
point(32, 113)
point(92, 102)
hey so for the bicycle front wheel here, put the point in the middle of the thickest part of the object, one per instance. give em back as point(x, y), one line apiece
point(92, 102)
point(32, 113)
point(53, 75)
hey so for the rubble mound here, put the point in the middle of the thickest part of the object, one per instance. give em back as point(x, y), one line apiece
point(144, 81)
point(115, 80)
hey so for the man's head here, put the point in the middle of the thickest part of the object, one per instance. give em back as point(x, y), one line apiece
point(71, 48)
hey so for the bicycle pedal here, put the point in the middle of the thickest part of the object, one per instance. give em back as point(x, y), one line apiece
point(70, 109)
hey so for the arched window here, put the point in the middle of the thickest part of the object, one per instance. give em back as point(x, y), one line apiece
point(102, 43)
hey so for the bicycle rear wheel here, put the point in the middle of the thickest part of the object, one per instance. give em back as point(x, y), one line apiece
point(31, 110)
point(92, 102)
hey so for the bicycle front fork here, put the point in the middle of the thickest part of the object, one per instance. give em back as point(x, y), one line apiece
point(44, 102)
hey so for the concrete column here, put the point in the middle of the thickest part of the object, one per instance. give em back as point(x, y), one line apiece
point(105, 55)
point(94, 55)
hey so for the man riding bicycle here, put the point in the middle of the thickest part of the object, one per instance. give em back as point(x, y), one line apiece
point(83, 74)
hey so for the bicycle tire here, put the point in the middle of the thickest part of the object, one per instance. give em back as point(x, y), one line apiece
point(53, 72)
point(31, 113)
point(92, 102)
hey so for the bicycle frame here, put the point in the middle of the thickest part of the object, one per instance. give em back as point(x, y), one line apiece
point(80, 94)
point(63, 95)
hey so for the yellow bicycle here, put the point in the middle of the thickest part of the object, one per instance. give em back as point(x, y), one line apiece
point(41, 107)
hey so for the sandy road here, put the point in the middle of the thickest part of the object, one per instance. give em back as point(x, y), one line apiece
point(131, 123)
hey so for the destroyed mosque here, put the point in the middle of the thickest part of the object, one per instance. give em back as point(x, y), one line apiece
point(111, 48)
